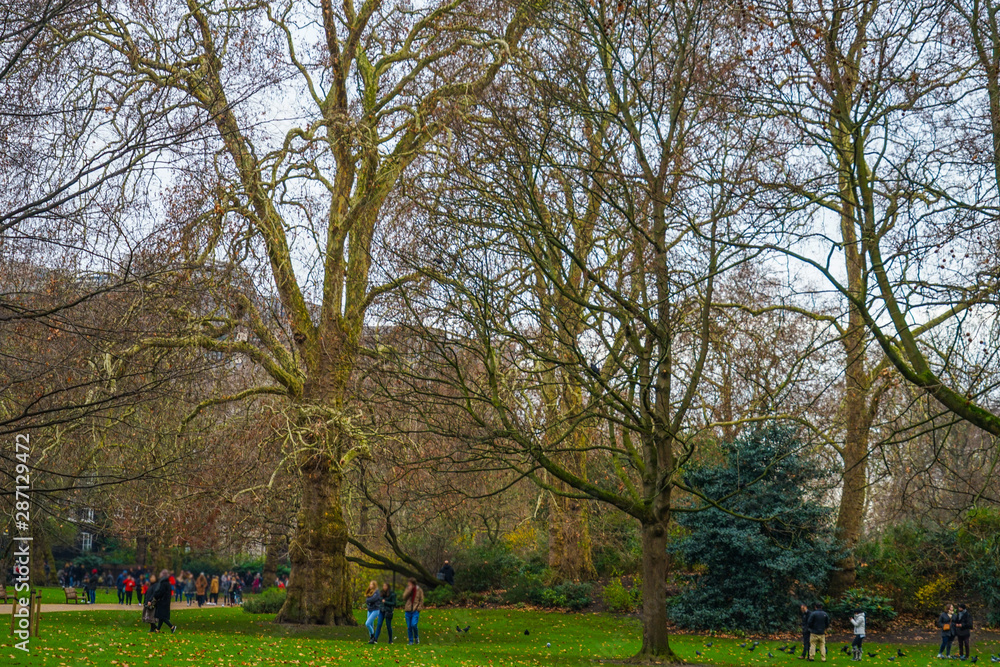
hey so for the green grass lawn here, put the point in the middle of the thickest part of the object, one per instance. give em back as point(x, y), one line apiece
point(230, 637)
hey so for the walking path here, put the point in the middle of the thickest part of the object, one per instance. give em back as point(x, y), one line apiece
point(48, 608)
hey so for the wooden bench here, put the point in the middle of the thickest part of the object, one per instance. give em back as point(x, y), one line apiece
point(71, 596)
point(6, 596)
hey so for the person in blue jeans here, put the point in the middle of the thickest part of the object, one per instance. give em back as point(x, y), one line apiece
point(385, 611)
point(413, 602)
point(945, 622)
point(373, 600)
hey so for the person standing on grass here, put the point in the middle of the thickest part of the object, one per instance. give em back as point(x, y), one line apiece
point(372, 600)
point(120, 585)
point(129, 588)
point(385, 611)
point(858, 621)
point(224, 584)
point(819, 621)
point(946, 622)
point(804, 610)
point(158, 600)
point(188, 587)
point(413, 602)
point(200, 587)
point(213, 590)
point(963, 630)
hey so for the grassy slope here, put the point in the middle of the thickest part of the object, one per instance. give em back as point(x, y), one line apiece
point(228, 637)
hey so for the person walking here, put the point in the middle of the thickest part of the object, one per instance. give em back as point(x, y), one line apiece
point(200, 586)
point(413, 603)
point(213, 591)
point(946, 622)
point(819, 621)
point(372, 600)
point(804, 611)
point(158, 600)
point(386, 608)
point(189, 588)
point(858, 621)
point(963, 630)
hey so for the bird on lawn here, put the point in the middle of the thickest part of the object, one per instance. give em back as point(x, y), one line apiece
point(466, 628)
point(458, 629)
point(770, 655)
point(974, 658)
point(900, 653)
point(697, 652)
point(743, 645)
point(873, 655)
point(709, 644)
point(783, 647)
point(846, 648)
point(526, 632)
point(756, 643)
point(891, 658)
point(993, 658)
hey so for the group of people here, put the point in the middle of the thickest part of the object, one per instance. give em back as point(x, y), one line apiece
point(955, 625)
point(381, 603)
point(204, 591)
point(815, 622)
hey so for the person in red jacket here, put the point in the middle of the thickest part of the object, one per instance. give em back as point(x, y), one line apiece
point(129, 588)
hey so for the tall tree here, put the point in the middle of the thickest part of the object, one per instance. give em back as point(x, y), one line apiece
point(345, 118)
point(590, 185)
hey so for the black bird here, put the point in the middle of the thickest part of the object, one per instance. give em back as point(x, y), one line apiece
point(891, 658)
point(900, 653)
point(751, 648)
point(770, 655)
point(743, 645)
point(846, 648)
point(974, 658)
point(697, 652)
point(873, 655)
point(466, 628)
point(458, 629)
point(783, 647)
point(709, 644)
point(595, 369)
point(526, 632)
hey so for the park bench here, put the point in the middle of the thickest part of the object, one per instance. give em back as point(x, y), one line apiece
point(6, 596)
point(71, 596)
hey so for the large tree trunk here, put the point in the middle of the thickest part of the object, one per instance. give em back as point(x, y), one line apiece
point(318, 590)
point(655, 567)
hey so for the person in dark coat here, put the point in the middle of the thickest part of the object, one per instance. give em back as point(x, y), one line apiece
point(447, 573)
point(385, 611)
point(804, 610)
point(947, 631)
point(817, 624)
point(159, 597)
point(963, 629)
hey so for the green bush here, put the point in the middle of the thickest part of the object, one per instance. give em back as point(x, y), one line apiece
point(531, 589)
point(489, 567)
point(440, 596)
point(268, 601)
point(878, 609)
point(622, 600)
point(979, 540)
point(750, 569)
